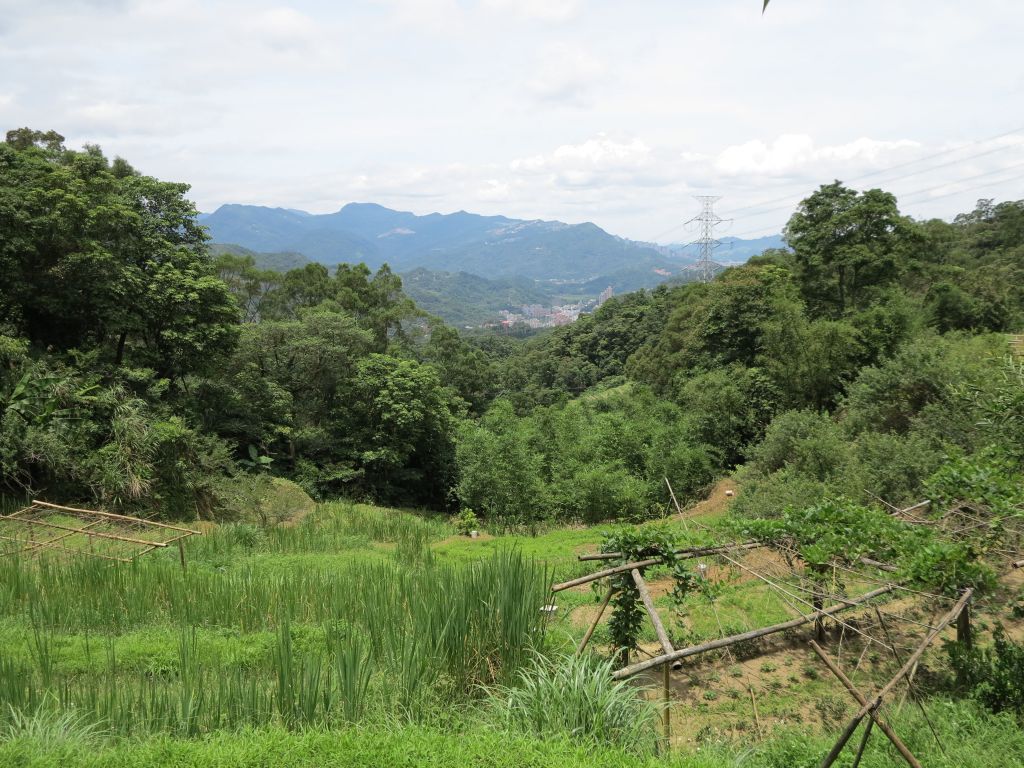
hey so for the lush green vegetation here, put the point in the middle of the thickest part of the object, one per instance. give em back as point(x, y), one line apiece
point(867, 364)
point(342, 616)
point(466, 300)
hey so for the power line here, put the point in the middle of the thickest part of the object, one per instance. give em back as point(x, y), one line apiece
point(961, 181)
point(791, 198)
point(905, 202)
point(884, 171)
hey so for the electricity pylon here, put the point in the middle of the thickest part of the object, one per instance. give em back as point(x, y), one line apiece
point(706, 242)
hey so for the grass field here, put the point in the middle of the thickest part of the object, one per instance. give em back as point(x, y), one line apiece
point(377, 636)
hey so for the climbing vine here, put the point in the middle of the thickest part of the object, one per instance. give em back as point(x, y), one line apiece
point(635, 544)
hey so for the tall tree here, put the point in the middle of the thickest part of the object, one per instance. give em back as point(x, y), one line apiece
point(845, 242)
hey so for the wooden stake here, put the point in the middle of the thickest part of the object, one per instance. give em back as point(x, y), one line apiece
point(752, 635)
point(668, 705)
point(181, 554)
point(753, 703)
point(864, 740)
point(843, 738)
point(819, 625)
point(963, 627)
point(904, 671)
point(859, 697)
point(593, 626)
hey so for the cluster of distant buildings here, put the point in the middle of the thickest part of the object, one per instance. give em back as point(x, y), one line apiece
point(539, 316)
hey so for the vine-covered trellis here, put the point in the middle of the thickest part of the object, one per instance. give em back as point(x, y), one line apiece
point(814, 563)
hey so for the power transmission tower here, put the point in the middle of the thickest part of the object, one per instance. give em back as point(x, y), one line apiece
point(706, 242)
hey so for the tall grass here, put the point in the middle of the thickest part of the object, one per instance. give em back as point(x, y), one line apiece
point(576, 696)
point(401, 635)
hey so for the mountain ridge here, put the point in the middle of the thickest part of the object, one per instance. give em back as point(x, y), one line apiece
point(489, 246)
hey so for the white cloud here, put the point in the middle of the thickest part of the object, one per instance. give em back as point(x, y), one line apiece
point(596, 160)
point(433, 15)
point(494, 191)
point(284, 29)
point(541, 10)
point(797, 153)
point(566, 74)
point(607, 106)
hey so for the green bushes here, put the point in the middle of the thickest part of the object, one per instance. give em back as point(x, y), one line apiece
point(599, 458)
point(993, 675)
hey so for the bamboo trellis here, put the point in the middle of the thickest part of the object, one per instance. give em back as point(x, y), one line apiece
point(671, 657)
point(44, 527)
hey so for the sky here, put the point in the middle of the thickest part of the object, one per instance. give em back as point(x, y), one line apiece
point(576, 110)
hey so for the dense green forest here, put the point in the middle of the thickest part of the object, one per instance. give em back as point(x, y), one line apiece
point(138, 368)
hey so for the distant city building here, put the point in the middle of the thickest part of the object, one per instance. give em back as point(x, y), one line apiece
point(605, 295)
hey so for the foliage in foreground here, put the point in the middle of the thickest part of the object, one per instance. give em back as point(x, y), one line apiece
point(969, 737)
point(295, 626)
point(575, 696)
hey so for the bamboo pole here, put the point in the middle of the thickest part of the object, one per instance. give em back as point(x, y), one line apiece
point(111, 515)
point(753, 704)
point(915, 507)
point(903, 672)
point(602, 574)
point(659, 628)
point(838, 746)
point(87, 533)
point(668, 706)
point(61, 537)
point(859, 697)
point(686, 551)
point(673, 495)
point(864, 741)
point(752, 635)
point(880, 566)
point(686, 554)
point(597, 619)
point(919, 652)
point(1018, 564)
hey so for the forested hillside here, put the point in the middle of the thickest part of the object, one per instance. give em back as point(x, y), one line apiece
point(874, 362)
point(126, 344)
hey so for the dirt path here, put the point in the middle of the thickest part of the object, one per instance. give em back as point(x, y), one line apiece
point(716, 504)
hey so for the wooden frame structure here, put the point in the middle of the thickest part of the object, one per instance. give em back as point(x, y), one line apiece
point(45, 527)
point(869, 705)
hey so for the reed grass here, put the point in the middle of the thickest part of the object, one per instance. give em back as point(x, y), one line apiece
point(398, 637)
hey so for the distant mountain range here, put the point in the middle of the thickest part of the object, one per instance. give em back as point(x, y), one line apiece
point(448, 259)
point(488, 246)
point(731, 250)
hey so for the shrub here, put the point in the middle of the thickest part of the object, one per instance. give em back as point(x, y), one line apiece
point(576, 696)
point(466, 521)
point(993, 675)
